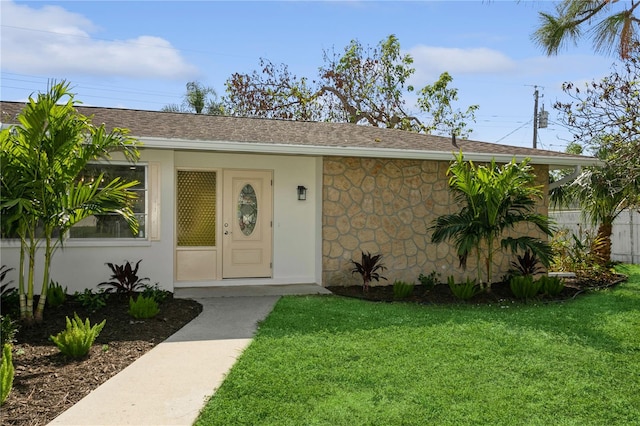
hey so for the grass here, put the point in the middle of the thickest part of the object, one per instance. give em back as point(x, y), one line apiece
point(327, 360)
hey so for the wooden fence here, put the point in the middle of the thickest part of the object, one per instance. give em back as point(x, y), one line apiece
point(625, 238)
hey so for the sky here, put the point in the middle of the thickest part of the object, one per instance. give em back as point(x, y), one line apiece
point(141, 54)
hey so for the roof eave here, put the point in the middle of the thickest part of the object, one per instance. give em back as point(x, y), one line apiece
point(348, 151)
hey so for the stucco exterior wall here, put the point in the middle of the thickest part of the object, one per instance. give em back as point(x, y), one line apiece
point(386, 206)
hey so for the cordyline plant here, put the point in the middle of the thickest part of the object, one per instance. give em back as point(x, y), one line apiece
point(369, 268)
point(41, 197)
point(124, 279)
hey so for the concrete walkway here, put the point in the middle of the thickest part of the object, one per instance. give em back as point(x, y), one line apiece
point(171, 383)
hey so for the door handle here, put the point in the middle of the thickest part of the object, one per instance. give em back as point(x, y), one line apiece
point(227, 232)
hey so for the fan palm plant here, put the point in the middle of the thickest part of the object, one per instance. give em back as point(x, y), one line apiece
point(494, 200)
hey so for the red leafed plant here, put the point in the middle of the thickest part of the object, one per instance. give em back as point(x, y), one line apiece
point(124, 279)
point(369, 268)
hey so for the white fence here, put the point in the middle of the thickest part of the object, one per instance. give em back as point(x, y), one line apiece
point(625, 238)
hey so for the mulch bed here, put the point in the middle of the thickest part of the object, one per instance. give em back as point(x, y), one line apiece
point(441, 294)
point(46, 383)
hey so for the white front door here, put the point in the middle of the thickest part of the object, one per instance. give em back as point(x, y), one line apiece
point(247, 224)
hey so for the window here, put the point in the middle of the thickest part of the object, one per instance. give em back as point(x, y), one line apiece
point(112, 225)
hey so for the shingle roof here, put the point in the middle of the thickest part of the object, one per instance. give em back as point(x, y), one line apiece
point(177, 129)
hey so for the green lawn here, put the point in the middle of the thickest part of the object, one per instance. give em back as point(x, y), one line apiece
point(327, 360)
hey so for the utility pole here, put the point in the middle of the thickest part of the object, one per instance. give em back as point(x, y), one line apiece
point(540, 120)
point(535, 117)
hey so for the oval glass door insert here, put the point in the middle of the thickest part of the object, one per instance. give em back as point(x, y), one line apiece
point(247, 209)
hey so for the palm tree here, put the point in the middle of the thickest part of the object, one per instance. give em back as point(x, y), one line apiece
point(41, 195)
point(602, 192)
point(495, 199)
point(199, 99)
point(616, 31)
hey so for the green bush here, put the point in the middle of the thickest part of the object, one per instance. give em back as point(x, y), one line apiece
point(6, 372)
point(154, 292)
point(429, 281)
point(143, 307)
point(76, 340)
point(56, 295)
point(551, 286)
point(8, 330)
point(92, 301)
point(402, 289)
point(464, 290)
point(524, 286)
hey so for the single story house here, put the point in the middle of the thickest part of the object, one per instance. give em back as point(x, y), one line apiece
point(229, 201)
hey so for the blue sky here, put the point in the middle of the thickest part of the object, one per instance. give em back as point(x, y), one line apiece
point(140, 54)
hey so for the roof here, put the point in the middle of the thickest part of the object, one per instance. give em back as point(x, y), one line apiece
point(170, 130)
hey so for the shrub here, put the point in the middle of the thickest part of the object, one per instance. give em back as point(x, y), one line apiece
point(524, 287)
point(464, 290)
point(551, 286)
point(143, 307)
point(154, 292)
point(6, 372)
point(369, 268)
point(3, 274)
point(402, 289)
point(9, 298)
point(76, 340)
point(92, 301)
point(124, 279)
point(56, 295)
point(8, 330)
point(429, 281)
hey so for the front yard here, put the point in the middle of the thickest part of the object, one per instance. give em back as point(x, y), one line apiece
point(329, 360)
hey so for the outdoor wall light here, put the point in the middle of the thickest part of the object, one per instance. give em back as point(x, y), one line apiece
point(302, 193)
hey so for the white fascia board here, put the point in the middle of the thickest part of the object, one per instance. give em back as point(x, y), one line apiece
point(348, 151)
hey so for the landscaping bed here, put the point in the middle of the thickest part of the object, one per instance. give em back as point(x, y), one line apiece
point(46, 383)
point(441, 294)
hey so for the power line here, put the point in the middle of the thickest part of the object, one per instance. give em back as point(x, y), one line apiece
point(512, 132)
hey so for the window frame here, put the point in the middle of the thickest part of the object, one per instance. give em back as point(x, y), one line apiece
point(117, 241)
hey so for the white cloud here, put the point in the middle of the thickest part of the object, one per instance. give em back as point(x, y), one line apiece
point(51, 40)
point(431, 61)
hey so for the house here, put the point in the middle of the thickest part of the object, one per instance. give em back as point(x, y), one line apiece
point(227, 201)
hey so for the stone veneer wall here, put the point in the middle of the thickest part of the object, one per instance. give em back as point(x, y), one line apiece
point(385, 206)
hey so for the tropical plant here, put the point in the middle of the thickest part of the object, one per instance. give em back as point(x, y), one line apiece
point(464, 290)
point(429, 281)
point(6, 373)
point(617, 30)
point(369, 268)
point(526, 264)
point(56, 295)
point(402, 289)
point(8, 295)
point(199, 99)
point(92, 301)
point(143, 307)
point(76, 339)
point(551, 286)
point(4, 270)
point(8, 330)
point(41, 197)
point(581, 255)
point(124, 279)
point(155, 292)
point(524, 286)
point(494, 200)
